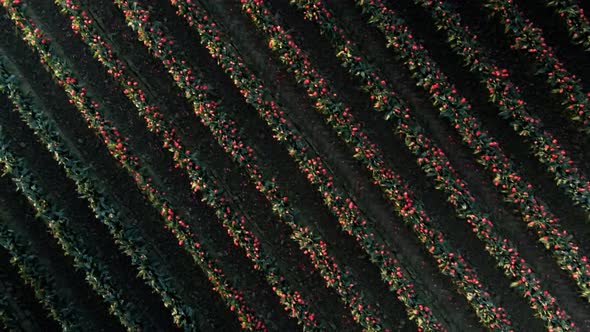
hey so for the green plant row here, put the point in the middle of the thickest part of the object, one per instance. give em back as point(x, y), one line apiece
point(529, 39)
point(127, 235)
point(34, 274)
point(509, 100)
point(486, 149)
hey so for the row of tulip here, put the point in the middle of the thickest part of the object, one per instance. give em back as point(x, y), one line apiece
point(508, 99)
point(129, 237)
point(485, 148)
point(576, 22)
point(430, 157)
point(98, 275)
point(225, 132)
point(214, 196)
point(34, 274)
point(395, 189)
point(529, 38)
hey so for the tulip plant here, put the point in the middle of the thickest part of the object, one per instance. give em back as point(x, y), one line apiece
point(25, 260)
point(487, 150)
point(107, 209)
point(225, 132)
point(509, 100)
point(529, 39)
point(576, 22)
point(98, 275)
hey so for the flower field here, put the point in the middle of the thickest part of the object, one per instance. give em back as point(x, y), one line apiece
point(285, 165)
